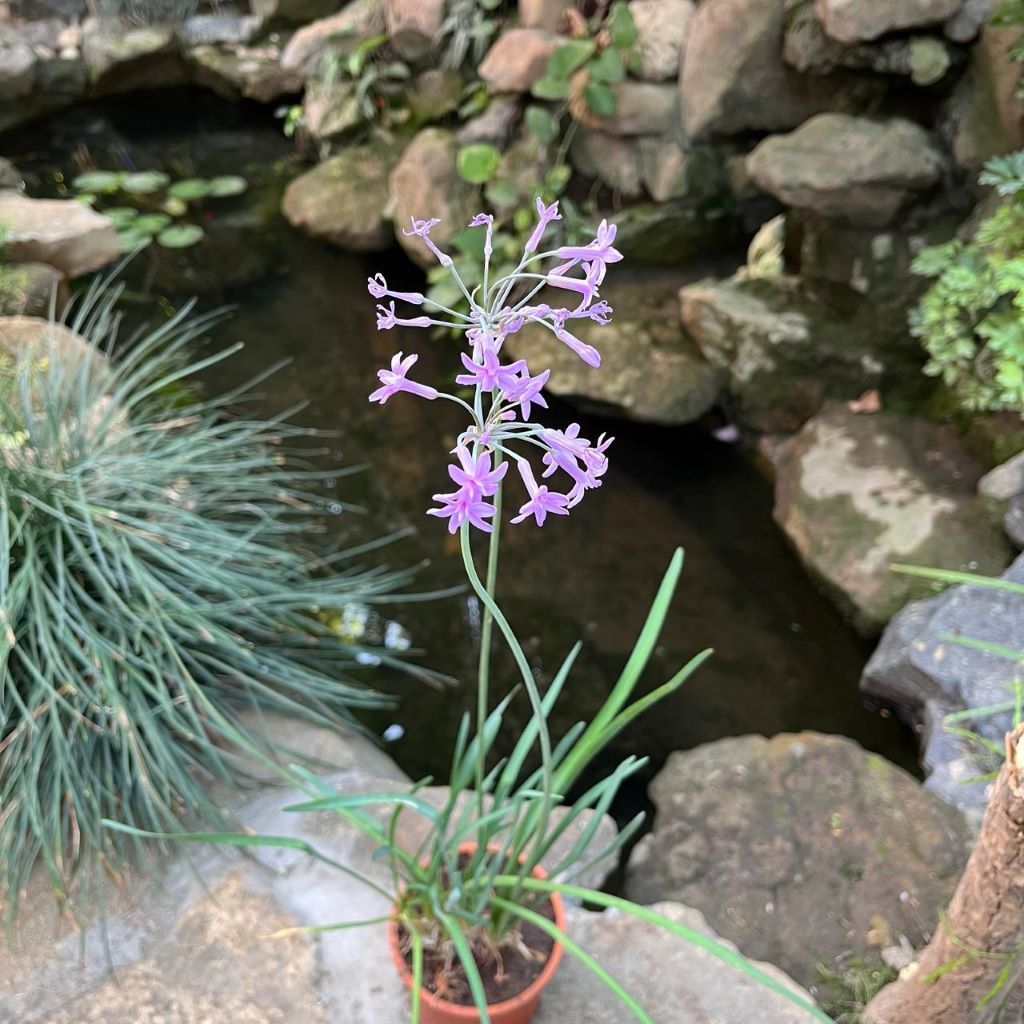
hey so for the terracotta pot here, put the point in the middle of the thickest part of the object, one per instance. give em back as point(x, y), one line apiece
point(517, 1010)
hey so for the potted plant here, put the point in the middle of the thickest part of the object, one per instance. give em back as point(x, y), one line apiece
point(477, 927)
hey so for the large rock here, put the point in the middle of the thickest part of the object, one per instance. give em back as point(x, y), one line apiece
point(781, 354)
point(124, 59)
point(734, 78)
point(226, 27)
point(642, 108)
point(851, 168)
point(920, 669)
point(612, 160)
point(253, 72)
point(661, 27)
point(545, 14)
point(795, 848)
point(209, 936)
point(17, 67)
point(851, 21)
point(31, 289)
point(339, 34)
point(967, 22)
point(671, 234)
point(518, 58)
point(424, 184)
point(294, 12)
point(343, 199)
point(413, 25)
point(650, 370)
point(330, 109)
point(68, 235)
point(856, 493)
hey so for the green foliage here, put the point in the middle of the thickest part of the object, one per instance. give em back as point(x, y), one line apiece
point(152, 206)
point(477, 162)
point(151, 588)
point(846, 990)
point(971, 319)
point(467, 31)
point(1010, 14)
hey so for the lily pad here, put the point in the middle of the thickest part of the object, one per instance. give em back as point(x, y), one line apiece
point(228, 185)
point(180, 236)
point(98, 181)
point(131, 240)
point(145, 182)
point(151, 223)
point(175, 207)
point(190, 188)
point(122, 216)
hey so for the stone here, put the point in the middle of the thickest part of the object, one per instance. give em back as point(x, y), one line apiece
point(43, 340)
point(517, 59)
point(850, 168)
point(661, 27)
point(126, 59)
point(665, 168)
point(343, 199)
point(435, 93)
point(424, 184)
point(293, 12)
point(10, 176)
point(643, 108)
point(615, 162)
point(338, 34)
point(1004, 482)
point(966, 23)
point(920, 670)
point(855, 494)
point(974, 121)
point(67, 235)
point(330, 109)
point(546, 14)
point(734, 77)
point(495, 125)
point(208, 29)
point(17, 68)
point(671, 234)
point(781, 354)
point(252, 72)
point(29, 289)
point(796, 847)
point(929, 60)
point(1013, 521)
point(650, 370)
point(998, 76)
point(852, 21)
point(413, 25)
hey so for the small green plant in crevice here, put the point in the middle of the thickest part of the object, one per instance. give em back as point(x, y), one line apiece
point(844, 991)
point(971, 319)
point(467, 31)
point(150, 206)
point(156, 581)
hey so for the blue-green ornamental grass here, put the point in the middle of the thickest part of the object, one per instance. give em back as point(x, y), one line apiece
point(154, 584)
point(444, 900)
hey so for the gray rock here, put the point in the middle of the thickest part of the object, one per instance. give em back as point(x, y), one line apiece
point(330, 109)
point(781, 353)
point(661, 27)
point(293, 12)
point(734, 77)
point(309, 46)
point(851, 168)
point(546, 14)
point(10, 176)
point(966, 23)
point(1013, 521)
point(434, 93)
point(495, 125)
point(666, 168)
point(920, 669)
point(796, 847)
point(650, 370)
point(124, 59)
point(28, 289)
point(17, 68)
point(671, 234)
point(643, 108)
point(518, 58)
point(218, 28)
point(614, 161)
point(413, 25)
point(255, 73)
point(852, 21)
point(1005, 481)
point(67, 235)
point(856, 493)
point(343, 200)
point(425, 183)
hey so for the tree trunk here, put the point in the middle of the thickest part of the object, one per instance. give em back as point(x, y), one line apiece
point(986, 916)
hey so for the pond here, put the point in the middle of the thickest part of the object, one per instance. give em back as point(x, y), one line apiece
point(784, 659)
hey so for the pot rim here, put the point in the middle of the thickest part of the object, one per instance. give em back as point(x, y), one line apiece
point(471, 1013)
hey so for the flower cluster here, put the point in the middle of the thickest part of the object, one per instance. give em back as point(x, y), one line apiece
point(506, 392)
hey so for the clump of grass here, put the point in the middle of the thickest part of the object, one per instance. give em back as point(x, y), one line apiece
point(845, 990)
point(154, 584)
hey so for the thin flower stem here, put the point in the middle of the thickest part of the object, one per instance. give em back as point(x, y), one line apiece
point(453, 312)
point(460, 401)
point(543, 736)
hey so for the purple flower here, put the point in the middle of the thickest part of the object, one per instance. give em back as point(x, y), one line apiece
point(586, 352)
point(600, 249)
point(599, 312)
point(574, 455)
point(378, 288)
point(387, 318)
point(586, 286)
point(542, 501)
point(485, 220)
point(463, 506)
point(476, 475)
point(394, 380)
point(526, 390)
point(545, 215)
point(488, 373)
point(422, 229)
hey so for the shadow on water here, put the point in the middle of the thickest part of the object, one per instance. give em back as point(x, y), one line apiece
point(784, 658)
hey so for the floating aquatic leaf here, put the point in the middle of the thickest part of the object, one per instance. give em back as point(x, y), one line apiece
point(104, 182)
point(228, 185)
point(145, 182)
point(181, 236)
point(151, 223)
point(190, 188)
point(122, 216)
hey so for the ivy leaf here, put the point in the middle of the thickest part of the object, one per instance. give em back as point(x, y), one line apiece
point(607, 67)
point(599, 98)
point(541, 124)
point(550, 88)
point(621, 26)
point(570, 57)
point(180, 236)
point(476, 163)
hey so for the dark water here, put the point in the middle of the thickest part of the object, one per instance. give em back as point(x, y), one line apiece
point(784, 660)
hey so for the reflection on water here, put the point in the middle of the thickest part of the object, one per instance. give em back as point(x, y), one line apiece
point(784, 660)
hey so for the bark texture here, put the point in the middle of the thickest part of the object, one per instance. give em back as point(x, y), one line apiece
point(986, 915)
